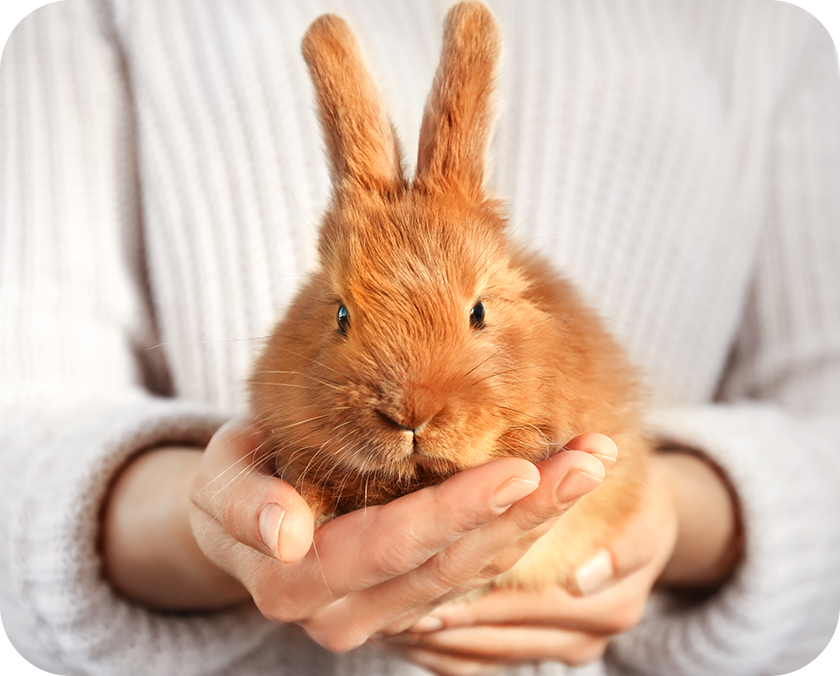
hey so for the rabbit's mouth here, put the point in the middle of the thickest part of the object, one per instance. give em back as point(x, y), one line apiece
point(412, 460)
point(424, 465)
point(358, 489)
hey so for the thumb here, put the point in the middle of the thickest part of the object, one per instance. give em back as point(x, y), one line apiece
point(252, 506)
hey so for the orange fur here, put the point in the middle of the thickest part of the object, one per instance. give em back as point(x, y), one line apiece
point(414, 391)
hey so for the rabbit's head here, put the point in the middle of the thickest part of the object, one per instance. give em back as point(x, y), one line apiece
point(425, 343)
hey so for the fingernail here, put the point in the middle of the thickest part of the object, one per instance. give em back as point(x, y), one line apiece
point(607, 451)
point(606, 460)
point(595, 573)
point(575, 485)
point(513, 490)
point(271, 517)
point(427, 625)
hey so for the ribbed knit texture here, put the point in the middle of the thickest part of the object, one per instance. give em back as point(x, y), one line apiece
point(161, 179)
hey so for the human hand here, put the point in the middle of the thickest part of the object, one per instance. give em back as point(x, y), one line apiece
point(375, 571)
point(509, 627)
point(685, 536)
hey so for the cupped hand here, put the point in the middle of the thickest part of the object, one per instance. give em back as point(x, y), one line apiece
point(572, 626)
point(377, 571)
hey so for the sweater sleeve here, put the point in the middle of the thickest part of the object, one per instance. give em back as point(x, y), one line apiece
point(81, 390)
point(775, 427)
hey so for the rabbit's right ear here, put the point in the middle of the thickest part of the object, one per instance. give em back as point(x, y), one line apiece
point(459, 114)
point(361, 144)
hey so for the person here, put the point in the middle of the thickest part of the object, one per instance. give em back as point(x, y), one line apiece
point(162, 180)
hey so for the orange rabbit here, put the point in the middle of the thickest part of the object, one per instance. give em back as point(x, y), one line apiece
point(426, 342)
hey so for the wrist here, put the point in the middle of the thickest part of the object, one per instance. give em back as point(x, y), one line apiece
point(709, 543)
point(150, 555)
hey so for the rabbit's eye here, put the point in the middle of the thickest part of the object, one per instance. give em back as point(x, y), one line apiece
point(477, 316)
point(343, 319)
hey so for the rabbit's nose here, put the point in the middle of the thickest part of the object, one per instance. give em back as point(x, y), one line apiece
point(410, 422)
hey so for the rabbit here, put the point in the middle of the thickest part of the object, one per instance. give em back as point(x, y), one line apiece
point(426, 342)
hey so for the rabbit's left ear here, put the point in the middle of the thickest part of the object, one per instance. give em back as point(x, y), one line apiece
point(458, 119)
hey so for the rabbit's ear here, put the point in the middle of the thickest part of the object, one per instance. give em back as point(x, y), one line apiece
point(459, 114)
point(360, 139)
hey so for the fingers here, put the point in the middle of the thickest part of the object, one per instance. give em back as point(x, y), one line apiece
point(565, 478)
point(466, 562)
point(645, 544)
point(636, 559)
point(358, 552)
point(257, 509)
point(443, 664)
point(579, 473)
point(633, 562)
point(613, 611)
point(367, 547)
point(508, 644)
point(599, 445)
point(402, 536)
point(268, 515)
point(596, 445)
point(645, 541)
point(351, 552)
point(252, 525)
point(370, 568)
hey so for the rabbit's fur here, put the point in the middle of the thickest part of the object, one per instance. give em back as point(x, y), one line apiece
point(380, 380)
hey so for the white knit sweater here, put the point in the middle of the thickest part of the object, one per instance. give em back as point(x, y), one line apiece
point(161, 177)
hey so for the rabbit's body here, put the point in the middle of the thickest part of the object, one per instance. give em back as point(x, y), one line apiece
point(427, 343)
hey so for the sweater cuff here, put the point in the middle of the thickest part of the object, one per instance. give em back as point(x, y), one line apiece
point(57, 607)
point(780, 609)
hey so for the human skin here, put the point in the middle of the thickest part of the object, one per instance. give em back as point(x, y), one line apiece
point(686, 537)
point(190, 530)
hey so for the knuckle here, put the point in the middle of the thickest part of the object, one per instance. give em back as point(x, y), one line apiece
point(445, 574)
point(277, 607)
point(340, 641)
point(536, 519)
point(498, 566)
point(392, 556)
point(289, 616)
point(508, 558)
point(528, 519)
point(281, 613)
point(339, 644)
point(461, 516)
point(492, 571)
